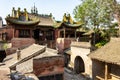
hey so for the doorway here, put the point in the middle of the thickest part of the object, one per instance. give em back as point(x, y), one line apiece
point(79, 66)
point(36, 34)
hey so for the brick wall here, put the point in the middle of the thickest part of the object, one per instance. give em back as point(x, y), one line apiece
point(48, 66)
point(9, 31)
point(63, 43)
point(10, 51)
point(20, 42)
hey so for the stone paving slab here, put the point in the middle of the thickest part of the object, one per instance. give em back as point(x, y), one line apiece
point(70, 75)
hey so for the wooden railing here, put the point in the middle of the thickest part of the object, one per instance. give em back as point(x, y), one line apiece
point(115, 77)
point(111, 77)
point(99, 78)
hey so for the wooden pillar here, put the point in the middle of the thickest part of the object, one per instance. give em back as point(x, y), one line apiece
point(106, 71)
point(58, 34)
point(16, 33)
point(52, 33)
point(13, 32)
point(75, 34)
point(64, 33)
point(44, 35)
point(31, 34)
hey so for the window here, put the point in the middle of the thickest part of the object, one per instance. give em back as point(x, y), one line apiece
point(24, 33)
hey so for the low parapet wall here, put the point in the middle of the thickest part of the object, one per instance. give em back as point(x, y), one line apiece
point(63, 43)
point(20, 42)
point(48, 66)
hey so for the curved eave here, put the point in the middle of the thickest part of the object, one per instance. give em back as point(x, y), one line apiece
point(57, 25)
point(45, 26)
point(72, 25)
point(68, 25)
point(18, 22)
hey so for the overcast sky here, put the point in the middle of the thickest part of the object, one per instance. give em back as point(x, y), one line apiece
point(56, 7)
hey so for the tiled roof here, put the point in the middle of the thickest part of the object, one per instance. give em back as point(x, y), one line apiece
point(46, 20)
point(109, 53)
point(67, 22)
point(61, 24)
point(19, 22)
point(48, 53)
point(5, 74)
point(26, 54)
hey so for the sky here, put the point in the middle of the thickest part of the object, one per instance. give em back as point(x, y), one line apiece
point(56, 7)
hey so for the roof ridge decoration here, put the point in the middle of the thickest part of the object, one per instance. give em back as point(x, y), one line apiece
point(22, 17)
point(34, 10)
point(67, 19)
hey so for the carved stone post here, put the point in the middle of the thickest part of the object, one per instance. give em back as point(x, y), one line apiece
point(18, 54)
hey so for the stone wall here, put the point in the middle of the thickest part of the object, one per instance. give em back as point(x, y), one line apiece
point(82, 52)
point(48, 66)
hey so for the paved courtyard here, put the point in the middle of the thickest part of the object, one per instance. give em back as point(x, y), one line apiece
point(70, 75)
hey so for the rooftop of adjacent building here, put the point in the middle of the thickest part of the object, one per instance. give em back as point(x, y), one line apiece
point(109, 53)
point(5, 74)
point(27, 54)
point(45, 20)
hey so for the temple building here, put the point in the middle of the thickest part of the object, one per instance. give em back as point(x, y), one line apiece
point(67, 27)
point(23, 30)
point(66, 32)
point(22, 25)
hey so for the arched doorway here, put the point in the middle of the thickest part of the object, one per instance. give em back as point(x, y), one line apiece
point(79, 66)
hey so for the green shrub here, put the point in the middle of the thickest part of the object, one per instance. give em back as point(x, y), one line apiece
point(100, 44)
